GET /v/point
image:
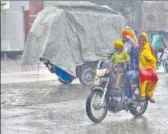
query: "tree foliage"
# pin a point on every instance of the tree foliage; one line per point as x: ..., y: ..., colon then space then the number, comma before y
x: 123, y: 6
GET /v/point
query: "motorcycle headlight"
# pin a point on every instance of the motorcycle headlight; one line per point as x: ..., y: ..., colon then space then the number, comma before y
x: 101, y: 72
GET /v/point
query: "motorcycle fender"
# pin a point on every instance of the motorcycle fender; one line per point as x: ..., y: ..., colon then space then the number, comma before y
x: 97, y: 88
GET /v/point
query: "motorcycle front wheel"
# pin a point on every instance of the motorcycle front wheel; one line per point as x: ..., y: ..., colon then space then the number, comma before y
x: 93, y: 105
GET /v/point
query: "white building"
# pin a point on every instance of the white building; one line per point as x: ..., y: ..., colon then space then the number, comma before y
x: 12, y: 27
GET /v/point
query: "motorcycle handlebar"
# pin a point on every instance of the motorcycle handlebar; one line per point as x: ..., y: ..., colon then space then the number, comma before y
x: 166, y: 50
x: 105, y: 55
x: 124, y: 63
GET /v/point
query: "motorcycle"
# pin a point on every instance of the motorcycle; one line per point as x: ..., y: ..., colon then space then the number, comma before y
x: 163, y: 60
x: 105, y: 97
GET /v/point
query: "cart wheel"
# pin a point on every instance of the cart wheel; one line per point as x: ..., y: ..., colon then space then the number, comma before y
x: 87, y: 75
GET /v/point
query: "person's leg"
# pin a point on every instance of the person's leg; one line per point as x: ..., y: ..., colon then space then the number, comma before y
x: 117, y: 84
x: 118, y: 77
x: 142, y: 90
x: 129, y: 83
x: 116, y: 73
x: 150, y: 90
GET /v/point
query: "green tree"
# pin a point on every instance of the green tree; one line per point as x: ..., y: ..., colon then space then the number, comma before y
x: 123, y: 6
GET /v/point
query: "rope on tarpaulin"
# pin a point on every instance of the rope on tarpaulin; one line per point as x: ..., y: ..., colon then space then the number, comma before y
x: 38, y: 69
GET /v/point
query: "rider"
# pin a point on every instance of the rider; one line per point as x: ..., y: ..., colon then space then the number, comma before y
x: 147, y: 67
x: 119, y: 57
x: 128, y: 46
x: 129, y: 38
x: 158, y: 43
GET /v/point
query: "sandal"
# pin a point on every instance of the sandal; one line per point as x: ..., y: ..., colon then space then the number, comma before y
x: 116, y: 86
x: 151, y: 99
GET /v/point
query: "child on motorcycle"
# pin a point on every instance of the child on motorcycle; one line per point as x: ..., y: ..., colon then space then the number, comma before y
x: 118, y: 59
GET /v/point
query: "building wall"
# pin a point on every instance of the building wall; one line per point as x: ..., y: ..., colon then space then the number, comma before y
x: 159, y: 11
x: 166, y: 15
x: 153, y: 15
x: 166, y: 5
x: 12, y: 26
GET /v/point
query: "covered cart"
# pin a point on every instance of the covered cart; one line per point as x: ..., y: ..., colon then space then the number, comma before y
x: 67, y: 38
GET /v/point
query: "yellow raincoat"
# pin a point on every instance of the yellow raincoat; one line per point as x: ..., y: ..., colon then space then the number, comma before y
x: 147, y: 69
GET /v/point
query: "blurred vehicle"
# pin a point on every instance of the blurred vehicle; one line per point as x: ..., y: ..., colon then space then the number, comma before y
x: 163, y: 60
x: 67, y: 37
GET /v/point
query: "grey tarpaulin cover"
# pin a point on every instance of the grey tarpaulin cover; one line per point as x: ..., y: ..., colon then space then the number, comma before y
x: 68, y: 35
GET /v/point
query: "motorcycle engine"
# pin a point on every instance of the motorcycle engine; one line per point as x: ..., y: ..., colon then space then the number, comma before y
x: 117, y: 100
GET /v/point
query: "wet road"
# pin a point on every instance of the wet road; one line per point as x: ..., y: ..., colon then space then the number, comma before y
x: 47, y: 107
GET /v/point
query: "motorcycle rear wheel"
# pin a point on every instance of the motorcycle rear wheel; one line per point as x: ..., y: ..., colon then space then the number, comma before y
x: 89, y: 105
x: 134, y: 110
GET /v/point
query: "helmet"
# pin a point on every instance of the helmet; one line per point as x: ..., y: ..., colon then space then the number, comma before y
x: 118, y: 44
